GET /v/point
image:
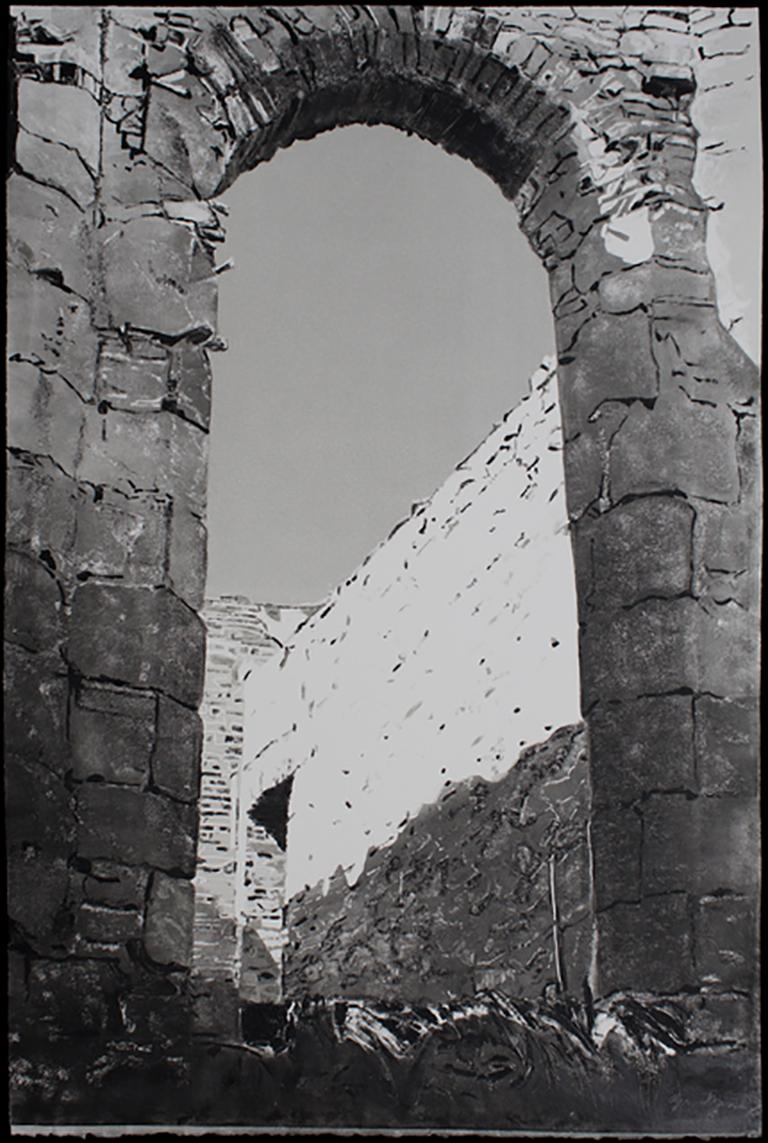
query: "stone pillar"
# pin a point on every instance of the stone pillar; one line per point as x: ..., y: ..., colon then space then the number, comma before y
x: 664, y: 541
x: 113, y: 302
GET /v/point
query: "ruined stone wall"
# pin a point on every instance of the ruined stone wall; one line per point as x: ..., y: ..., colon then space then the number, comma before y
x: 107, y: 436
x: 451, y: 649
x: 487, y: 888
x: 130, y: 121
x: 241, y: 637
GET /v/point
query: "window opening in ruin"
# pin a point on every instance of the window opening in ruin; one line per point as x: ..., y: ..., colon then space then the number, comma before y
x: 270, y: 811
x: 262, y: 921
x: 382, y: 312
x: 382, y: 315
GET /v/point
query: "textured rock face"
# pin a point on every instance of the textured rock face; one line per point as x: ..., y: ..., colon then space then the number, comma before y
x: 487, y: 888
x: 129, y: 122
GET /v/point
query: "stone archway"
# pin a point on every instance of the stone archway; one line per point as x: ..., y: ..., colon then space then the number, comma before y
x: 587, y: 129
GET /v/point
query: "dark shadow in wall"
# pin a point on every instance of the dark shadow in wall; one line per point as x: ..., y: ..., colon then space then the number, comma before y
x: 271, y: 810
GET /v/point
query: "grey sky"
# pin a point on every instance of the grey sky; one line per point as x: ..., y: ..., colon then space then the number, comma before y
x: 383, y: 311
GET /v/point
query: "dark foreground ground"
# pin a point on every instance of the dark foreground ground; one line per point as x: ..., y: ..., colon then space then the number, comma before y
x: 484, y: 1064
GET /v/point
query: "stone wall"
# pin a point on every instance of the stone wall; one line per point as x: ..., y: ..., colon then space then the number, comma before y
x: 488, y: 888
x: 450, y: 649
x: 128, y: 123
x: 241, y: 637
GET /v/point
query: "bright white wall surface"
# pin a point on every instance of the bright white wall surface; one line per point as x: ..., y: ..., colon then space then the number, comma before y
x: 449, y: 650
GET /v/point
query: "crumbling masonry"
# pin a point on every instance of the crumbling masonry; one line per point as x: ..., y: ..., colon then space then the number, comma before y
x: 129, y: 123
x: 241, y: 637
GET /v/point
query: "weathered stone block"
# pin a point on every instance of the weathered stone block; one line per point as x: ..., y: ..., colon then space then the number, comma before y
x: 627, y: 289
x: 748, y: 453
x: 38, y: 807
x: 111, y: 732
x: 187, y: 554
x: 681, y: 284
x: 678, y: 445
x: 662, y: 645
x: 41, y: 507
x: 725, y: 536
x: 158, y: 451
x: 107, y: 925
x: 553, y: 236
x: 161, y: 1019
x: 176, y: 755
x: 616, y: 836
x: 729, y: 41
x: 627, y: 653
x: 72, y: 117
x: 715, y: 586
x: 726, y: 941
x: 717, y: 367
x: 158, y: 277
x: 645, y: 947
x: 110, y: 883
x: 55, y: 165
x: 38, y: 885
x: 168, y: 925
x: 45, y: 416
x: 136, y: 380
x: 727, y: 750
x: 143, y: 637
x: 583, y: 564
x: 612, y: 360
x: 75, y: 998
x: 33, y: 603
x: 726, y: 544
x: 215, y: 1008
x: 190, y: 379
x: 128, y: 826
x: 35, y: 705
x: 123, y: 536
x: 47, y: 231
x: 187, y: 469
x: 70, y: 26
x: 714, y: 1019
x: 679, y: 236
x: 728, y: 650
x: 584, y: 459
x: 641, y: 745
x: 699, y: 844
x: 180, y: 136
x: 640, y: 549
x: 130, y: 175
x: 124, y: 55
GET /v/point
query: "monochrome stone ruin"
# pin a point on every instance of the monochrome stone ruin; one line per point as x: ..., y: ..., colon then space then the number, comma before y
x: 128, y: 123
